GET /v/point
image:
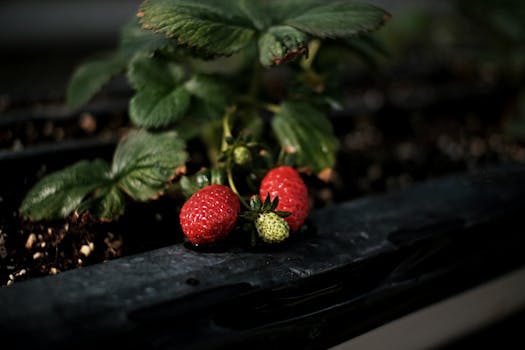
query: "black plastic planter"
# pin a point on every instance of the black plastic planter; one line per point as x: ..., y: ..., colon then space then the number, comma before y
x: 361, y: 264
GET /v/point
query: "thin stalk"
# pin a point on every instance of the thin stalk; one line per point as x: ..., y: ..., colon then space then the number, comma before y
x: 226, y: 129
x: 313, y: 48
x: 282, y: 155
x: 231, y: 182
x: 248, y: 100
x: 227, y: 133
x: 274, y: 108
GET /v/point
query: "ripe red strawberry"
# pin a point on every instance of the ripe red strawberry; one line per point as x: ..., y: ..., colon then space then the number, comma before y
x: 209, y: 214
x: 286, y: 183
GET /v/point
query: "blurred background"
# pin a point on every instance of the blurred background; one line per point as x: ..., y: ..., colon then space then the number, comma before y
x: 42, y: 41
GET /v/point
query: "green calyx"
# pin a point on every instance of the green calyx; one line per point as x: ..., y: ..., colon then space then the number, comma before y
x: 272, y: 228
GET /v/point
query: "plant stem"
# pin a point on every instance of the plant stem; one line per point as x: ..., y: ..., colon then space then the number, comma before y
x: 209, y: 134
x: 313, y: 48
x: 274, y: 108
x: 248, y: 100
x: 227, y: 132
x: 226, y: 129
x: 229, y: 175
x: 280, y: 158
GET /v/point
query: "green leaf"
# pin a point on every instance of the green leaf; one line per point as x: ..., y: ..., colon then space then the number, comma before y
x: 91, y: 76
x: 155, y: 108
x: 211, y: 97
x: 144, y: 163
x: 107, y: 205
x: 366, y: 48
x: 164, y: 93
x: 208, y: 90
x: 255, y: 12
x: 306, y: 131
x: 279, y: 11
x: 282, y: 44
x: 135, y: 39
x: 203, y: 178
x: 339, y: 19
x: 147, y: 72
x: 212, y: 27
x: 161, y: 99
x: 60, y: 193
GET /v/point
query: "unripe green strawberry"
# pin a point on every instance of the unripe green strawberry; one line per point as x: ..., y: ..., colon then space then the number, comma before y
x: 286, y: 183
x: 209, y: 214
x: 272, y: 228
x: 241, y: 155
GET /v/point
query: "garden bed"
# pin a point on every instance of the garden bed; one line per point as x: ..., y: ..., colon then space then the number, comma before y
x: 386, y: 148
x: 364, y: 262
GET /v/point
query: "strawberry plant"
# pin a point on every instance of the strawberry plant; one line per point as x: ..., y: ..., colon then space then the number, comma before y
x: 201, y: 71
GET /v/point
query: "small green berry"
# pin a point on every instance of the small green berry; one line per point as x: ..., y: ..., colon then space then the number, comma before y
x: 241, y: 155
x: 272, y: 228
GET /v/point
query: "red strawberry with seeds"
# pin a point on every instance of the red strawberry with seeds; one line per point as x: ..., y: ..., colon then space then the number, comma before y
x: 286, y: 183
x: 209, y: 214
